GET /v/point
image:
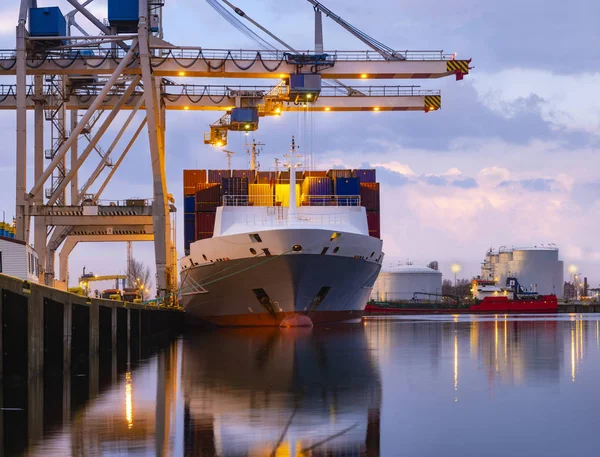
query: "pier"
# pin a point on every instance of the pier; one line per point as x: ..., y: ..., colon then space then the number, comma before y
x: 45, y: 330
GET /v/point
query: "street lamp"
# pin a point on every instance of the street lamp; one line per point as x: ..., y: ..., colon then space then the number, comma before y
x: 455, y: 268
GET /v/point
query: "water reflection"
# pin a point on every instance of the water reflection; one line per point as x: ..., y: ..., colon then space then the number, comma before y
x: 282, y: 393
x: 454, y: 385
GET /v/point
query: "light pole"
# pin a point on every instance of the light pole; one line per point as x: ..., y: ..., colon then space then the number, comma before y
x: 455, y: 268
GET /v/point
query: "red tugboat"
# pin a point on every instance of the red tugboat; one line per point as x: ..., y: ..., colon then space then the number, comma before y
x: 488, y: 297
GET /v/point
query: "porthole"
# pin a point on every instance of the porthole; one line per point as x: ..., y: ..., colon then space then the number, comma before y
x: 336, y: 249
x: 297, y: 248
x: 252, y: 251
x: 204, y: 257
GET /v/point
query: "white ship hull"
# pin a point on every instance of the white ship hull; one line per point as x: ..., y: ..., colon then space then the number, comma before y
x: 236, y: 280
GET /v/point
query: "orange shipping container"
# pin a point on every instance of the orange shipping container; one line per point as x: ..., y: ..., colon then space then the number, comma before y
x: 191, y: 178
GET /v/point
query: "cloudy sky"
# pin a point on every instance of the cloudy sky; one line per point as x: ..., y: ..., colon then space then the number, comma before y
x: 511, y: 159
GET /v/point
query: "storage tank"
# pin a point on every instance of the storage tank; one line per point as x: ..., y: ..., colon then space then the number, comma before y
x: 401, y: 282
x: 538, y: 269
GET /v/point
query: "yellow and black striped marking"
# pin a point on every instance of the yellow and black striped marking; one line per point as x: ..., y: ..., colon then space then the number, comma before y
x: 433, y: 102
x: 458, y: 65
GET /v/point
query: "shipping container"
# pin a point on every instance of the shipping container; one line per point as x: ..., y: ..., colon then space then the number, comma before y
x: 204, y: 235
x: 282, y: 195
x: 260, y: 194
x: 284, y: 177
x: 346, y: 186
x: 374, y: 223
x: 339, y: 173
x: 314, y: 174
x: 47, y: 22
x: 189, y: 230
x: 215, y: 176
x: 234, y: 186
x: 208, y: 197
x: 365, y: 175
x: 205, y: 223
x: 369, y: 195
x: 189, y: 204
x: 244, y: 174
x: 124, y: 15
x: 191, y: 178
x: 317, y: 186
x: 266, y: 177
x: 241, y: 115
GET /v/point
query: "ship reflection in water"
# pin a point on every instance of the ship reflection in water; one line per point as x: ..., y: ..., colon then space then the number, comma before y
x: 415, y: 386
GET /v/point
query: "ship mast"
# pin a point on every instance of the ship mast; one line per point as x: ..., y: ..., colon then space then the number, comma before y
x: 292, y: 166
x: 254, y: 152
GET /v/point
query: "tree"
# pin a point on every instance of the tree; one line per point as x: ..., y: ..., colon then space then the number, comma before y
x: 140, y: 277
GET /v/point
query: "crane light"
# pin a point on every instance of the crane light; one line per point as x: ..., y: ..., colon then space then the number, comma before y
x: 278, y: 110
x: 219, y: 144
x: 376, y: 108
x: 327, y: 108
x: 247, y: 126
x: 431, y: 108
x: 186, y: 108
x: 309, y: 96
x: 364, y: 76
x: 181, y: 73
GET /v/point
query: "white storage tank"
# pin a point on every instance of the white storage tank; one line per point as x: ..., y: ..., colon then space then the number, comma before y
x: 538, y: 269
x: 401, y: 283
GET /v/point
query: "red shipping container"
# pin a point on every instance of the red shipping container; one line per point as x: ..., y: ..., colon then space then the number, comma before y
x: 374, y: 223
x: 205, y: 223
x: 208, y: 196
x: 204, y: 235
x: 191, y: 178
x: 369, y: 196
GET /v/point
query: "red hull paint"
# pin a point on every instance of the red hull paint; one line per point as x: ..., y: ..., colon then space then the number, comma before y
x: 268, y: 320
x: 544, y: 304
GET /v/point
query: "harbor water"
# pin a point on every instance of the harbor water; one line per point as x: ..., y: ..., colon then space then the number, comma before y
x: 405, y: 386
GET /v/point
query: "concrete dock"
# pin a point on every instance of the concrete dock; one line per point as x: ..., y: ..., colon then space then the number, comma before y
x: 45, y: 330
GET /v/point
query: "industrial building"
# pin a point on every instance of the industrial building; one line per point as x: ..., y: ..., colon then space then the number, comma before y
x: 536, y: 268
x: 401, y: 282
x: 18, y: 259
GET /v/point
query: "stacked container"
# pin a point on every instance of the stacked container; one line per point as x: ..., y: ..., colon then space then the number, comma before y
x: 339, y: 173
x: 216, y: 176
x: 235, y: 191
x: 244, y: 174
x: 317, y: 187
x: 349, y: 187
x: 314, y: 174
x: 284, y: 177
x: 365, y: 175
x: 369, y: 197
x: 208, y: 199
x: 260, y: 195
x: 282, y: 195
x: 191, y: 178
x: 266, y: 177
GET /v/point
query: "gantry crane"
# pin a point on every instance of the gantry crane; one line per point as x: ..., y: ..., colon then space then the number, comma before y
x: 81, y: 82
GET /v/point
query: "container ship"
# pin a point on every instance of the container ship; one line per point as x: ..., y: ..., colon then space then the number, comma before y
x: 279, y: 248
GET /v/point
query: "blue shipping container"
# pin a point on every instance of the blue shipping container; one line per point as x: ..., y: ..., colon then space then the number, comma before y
x: 123, y: 10
x: 317, y: 186
x: 234, y: 186
x: 47, y: 22
x: 365, y: 175
x: 189, y: 203
x: 189, y: 229
x: 346, y: 186
x: 242, y: 115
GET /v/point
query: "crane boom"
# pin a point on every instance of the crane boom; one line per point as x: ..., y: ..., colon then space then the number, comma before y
x: 385, y: 51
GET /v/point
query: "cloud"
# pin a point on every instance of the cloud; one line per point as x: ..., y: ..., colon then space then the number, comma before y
x: 562, y: 100
x: 533, y: 185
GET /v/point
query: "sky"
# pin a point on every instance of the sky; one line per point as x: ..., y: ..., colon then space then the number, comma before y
x: 510, y: 159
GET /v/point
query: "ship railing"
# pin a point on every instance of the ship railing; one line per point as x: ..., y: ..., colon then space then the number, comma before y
x: 304, y: 200
x: 275, y: 218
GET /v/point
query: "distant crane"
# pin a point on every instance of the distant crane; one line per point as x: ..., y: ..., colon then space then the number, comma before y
x: 229, y: 154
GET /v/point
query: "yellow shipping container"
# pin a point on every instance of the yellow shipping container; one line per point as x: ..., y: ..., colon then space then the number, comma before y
x: 260, y: 194
x: 282, y: 194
